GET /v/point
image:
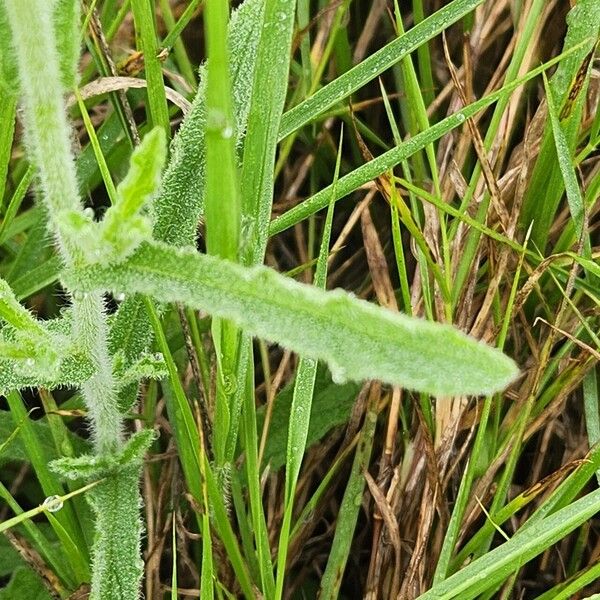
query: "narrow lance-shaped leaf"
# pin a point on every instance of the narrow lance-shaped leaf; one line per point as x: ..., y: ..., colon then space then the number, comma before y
x: 357, y: 339
x: 181, y: 201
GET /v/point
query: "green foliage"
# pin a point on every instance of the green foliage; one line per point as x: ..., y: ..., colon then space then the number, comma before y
x: 14, y: 450
x: 357, y: 339
x: 66, y: 17
x: 45, y: 357
x: 331, y: 407
x: 497, y: 564
x: 24, y: 583
x: 8, y: 64
x: 89, y: 466
x: 125, y: 226
x: 117, y: 567
x: 546, y: 186
x: 181, y: 201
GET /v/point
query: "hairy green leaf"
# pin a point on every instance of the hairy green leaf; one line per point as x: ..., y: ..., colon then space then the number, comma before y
x: 124, y: 226
x: 180, y: 204
x: 357, y: 339
x: 47, y: 359
x: 116, y: 503
x: 88, y: 466
x: 147, y: 366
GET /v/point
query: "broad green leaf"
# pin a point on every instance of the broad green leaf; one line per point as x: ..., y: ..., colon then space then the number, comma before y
x: 24, y: 583
x: 14, y: 450
x: 357, y: 339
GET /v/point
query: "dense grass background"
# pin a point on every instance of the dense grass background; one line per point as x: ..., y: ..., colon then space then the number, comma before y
x: 458, y: 184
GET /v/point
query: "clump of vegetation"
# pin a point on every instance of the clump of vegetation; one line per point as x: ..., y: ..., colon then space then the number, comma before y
x: 134, y: 294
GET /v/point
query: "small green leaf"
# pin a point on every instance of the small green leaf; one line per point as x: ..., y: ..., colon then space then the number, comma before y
x: 88, y: 466
x: 46, y: 359
x: 147, y: 366
x: 142, y: 180
x: 357, y: 339
x: 125, y: 226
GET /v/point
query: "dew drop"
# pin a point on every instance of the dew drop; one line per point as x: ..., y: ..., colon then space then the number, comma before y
x: 229, y: 384
x: 460, y: 117
x: 79, y: 295
x: 338, y: 375
x: 30, y: 363
x: 119, y: 297
x: 227, y: 132
x: 158, y: 357
x: 88, y: 212
x: 52, y: 504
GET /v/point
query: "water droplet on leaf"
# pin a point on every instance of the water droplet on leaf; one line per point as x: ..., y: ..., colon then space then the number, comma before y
x: 52, y: 504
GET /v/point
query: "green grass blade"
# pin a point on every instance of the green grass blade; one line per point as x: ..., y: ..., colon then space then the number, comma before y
x: 158, y: 113
x: 357, y: 339
x: 379, y: 165
x: 66, y: 518
x: 222, y: 208
x: 302, y: 399
x: 499, y: 563
x: 8, y: 111
x: 348, y: 511
x: 565, y: 163
x: 546, y: 187
x: 267, y: 100
x: 374, y: 65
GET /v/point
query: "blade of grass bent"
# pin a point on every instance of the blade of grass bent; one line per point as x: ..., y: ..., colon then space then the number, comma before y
x: 374, y: 65
x: 386, y: 161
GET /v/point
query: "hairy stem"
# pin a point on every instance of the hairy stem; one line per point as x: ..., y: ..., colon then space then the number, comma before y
x: 117, y: 567
x: 49, y: 139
